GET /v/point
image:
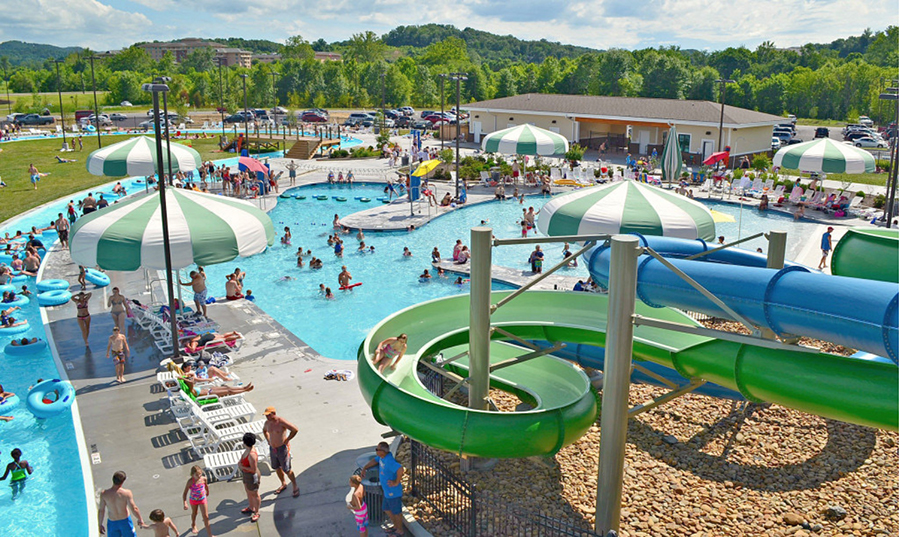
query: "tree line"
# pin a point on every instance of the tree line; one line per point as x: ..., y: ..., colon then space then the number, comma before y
x: 839, y: 81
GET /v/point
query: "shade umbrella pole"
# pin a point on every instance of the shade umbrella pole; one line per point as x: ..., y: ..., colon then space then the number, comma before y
x: 156, y: 88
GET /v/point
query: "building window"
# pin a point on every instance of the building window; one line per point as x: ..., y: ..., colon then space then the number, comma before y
x: 684, y: 142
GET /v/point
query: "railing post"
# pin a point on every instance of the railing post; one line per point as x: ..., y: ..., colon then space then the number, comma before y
x: 414, y: 462
x: 480, y: 318
x: 473, y: 515
x: 616, y: 380
x: 775, y: 255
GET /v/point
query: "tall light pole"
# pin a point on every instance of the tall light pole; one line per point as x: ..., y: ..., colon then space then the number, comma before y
x: 891, y: 94
x: 246, y: 131
x: 383, y: 74
x: 62, y: 113
x: 275, y: 99
x: 221, y: 97
x: 156, y: 89
x: 722, y: 82
x: 443, y: 76
x: 166, y: 80
x: 8, y: 101
x: 458, y: 77
x: 96, y: 107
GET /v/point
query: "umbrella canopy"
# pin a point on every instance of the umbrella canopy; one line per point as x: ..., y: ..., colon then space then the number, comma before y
x: 525, y: 140
x: 721, y: 217
x: 671, y: 157
x: 825, y: 155
x: 252, y: 164
x: 716, y: 157
x: 137, y: 156
x: 426, y: 167
x: 626, y: 207
x: 203, y: 229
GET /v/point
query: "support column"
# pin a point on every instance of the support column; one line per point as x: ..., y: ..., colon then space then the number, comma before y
x: 777, y: 245
x: 616, y: 380
x: 480, y: 318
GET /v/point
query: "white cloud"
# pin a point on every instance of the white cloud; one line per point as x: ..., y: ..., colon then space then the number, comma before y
x: 73, y: 22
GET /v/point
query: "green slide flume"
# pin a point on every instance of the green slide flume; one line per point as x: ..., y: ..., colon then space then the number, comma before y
x: 846, y: 389
x: 867, y: 252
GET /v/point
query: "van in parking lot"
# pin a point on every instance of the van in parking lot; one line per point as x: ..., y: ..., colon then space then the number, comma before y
x: 82, y: 114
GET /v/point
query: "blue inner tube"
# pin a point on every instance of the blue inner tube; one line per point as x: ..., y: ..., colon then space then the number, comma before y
x: 299, y: 197
x: 14, y: 329
x: 21, y: 301
x: 96, y: 277
x: 365, y: 200
x: 285, y: 196
x: 56, y: 297
x: 44, y: 390
x: 7, y: 287
x: 19, y: 279
x: 25, y: 350
x: 9, y: 404
x: 51, y: 285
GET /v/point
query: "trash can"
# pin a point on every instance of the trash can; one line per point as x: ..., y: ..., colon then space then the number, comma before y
x: 372, y: 492
x: 404, y: 161
x: 495, y: 174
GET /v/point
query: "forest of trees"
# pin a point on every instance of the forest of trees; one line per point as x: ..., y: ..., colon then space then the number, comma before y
x: 837, y: 81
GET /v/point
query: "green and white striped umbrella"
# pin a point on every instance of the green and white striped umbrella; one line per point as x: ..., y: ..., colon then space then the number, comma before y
x: 626, y: 207
x: 137, y: 156
x: 203, y: 229
x: 525, y: 140
x: 671, y: 157
x: 826, y: 156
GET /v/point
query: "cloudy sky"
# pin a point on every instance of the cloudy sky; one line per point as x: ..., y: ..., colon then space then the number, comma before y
x: 701, y: 24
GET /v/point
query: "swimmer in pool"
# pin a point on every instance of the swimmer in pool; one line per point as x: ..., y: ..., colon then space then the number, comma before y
x: 321, y: 288
x: 286, y: 238
x: 425, y: 275
x: 406, y: 252
x: 20, y: 470
x: 362, y: 247
x: 441, y: 273
x: 328, y: 294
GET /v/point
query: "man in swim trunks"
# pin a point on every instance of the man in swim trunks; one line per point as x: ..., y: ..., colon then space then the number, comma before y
x: 118, y: 501
x: 118, y: 346
x: 198, y: 284
x: 62, y: 229
x: 232, y: 288
x: 35, y: 175
x: 279, y: 447
x: 344, y: 277
x: 826, y: 248
x: 89, y: 204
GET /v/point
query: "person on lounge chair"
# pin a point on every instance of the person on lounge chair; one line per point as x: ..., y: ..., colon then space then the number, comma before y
x: 210, y: 338
x: 205, y: 372
x: 218, y: 391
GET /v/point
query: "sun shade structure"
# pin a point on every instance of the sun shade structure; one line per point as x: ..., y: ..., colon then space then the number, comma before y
x: 626, y: 207
x: 671, y: 163
x: 525, y: 140
x: 826, y: 156
x: 203, y: 229
x: 716, y: 157
x: 137, y: 156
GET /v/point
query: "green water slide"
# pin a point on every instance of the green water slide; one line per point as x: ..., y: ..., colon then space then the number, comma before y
x: 846, y: 389
x: 867, y: 252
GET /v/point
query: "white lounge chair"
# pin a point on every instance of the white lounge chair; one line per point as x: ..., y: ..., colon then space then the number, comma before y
x: 796, y: 194
x: 223, y: 465
x: 778, y: 192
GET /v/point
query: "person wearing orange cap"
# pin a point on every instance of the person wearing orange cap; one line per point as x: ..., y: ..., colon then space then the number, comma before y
x: 279, y: 432
x: 826, y: 247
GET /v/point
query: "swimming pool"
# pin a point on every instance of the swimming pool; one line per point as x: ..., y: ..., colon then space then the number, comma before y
x: 749, y: 220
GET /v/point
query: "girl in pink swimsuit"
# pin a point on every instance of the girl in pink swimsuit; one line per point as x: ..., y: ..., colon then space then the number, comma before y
x: 195, y: 492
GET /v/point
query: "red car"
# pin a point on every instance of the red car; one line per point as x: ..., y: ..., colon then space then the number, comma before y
x: 437, y: 118
x: 313, y: 117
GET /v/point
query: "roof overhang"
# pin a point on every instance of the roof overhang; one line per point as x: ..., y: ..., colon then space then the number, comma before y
x: 624, y: 120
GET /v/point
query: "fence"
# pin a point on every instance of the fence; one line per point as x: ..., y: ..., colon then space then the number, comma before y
x: 473, y: 513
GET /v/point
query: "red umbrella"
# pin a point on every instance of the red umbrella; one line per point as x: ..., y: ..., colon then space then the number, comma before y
x: 253, y: 165
x: 716, y: 157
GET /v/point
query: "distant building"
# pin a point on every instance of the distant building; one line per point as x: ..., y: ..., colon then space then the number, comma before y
x: 637, y: 125
x: 328, y: 57
x: 107, y: 54
x: 183, y: 47
x: 267, y: 58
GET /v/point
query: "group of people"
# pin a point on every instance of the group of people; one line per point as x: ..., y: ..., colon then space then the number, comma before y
x: 341, y: 178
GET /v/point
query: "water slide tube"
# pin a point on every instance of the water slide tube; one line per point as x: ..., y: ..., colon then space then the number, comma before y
x: 867, y: 252
x: 852, y: 390
x: 860, y: 314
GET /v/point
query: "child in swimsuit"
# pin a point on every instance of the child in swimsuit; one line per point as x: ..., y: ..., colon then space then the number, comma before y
x: 388, y: 352
x: 195, y: 492
x: 20, y: 470
x: 357, y: 505
x: 161, y: 524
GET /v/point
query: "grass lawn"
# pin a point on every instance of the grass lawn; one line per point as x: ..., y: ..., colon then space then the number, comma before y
x: 878, y: 179
x: 19, y: 195
x: 821, y: 122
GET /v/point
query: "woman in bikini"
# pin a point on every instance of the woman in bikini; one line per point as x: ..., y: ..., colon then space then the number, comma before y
x: 391, y: 349
x: 84, y: 316
x: 119, y: 309
x: 249, y: 466
x: 210, y: 338
x: 218, y: 391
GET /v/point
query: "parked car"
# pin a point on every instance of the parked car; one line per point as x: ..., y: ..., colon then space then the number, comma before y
x: 81, y: 114
x: 105, y: 120
x: 784, y: 136
x: 149, y: 124
x: 313, y: 117
x: 855, y: 135
x: 821, y: 132
x: 34, y: 119
x: 793, y: 118
x: 392, y: 114
x: 789, y: 126
x: 869, y: 141
x: 125, y: 103
x: 280, y: 110
x: 864, y: 120
x: 426, y: 113
x: 236, y: 118
x: 14, y: 116
x: 776, y: 143
x: 403, y: 122
x: 793, y: 141
x: 407, y: 111
x: 359, y: 117
x: 422, y: 125
x: 116, y: 116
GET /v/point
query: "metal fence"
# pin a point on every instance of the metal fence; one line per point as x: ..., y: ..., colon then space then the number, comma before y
x: 459, y: 505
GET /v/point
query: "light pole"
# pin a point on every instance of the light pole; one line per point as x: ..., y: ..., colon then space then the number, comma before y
x: 458, y: 77
x: 246, y: 131
x: 722, y: 82
x: 891, y: 94
x: 442, y: 76
x: 97, y: 108
x: 383, y: 74
x: 156, y: 89
x: 62, y: 113
x: 221, y: 98
x: 8, y: 101
x: 275, y: 100
x: 165, y: 80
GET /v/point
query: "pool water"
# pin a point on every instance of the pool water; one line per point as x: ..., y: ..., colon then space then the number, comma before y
x: 749, y: 220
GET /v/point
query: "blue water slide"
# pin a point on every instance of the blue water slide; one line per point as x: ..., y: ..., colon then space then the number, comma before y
x: 793, y: 301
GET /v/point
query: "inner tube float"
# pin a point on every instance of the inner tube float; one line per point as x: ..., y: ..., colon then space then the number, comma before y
x: 299, y: 197
x: 44, y: 403
x: 365, y: 200
x: 25, y: 350
x: 18, y: 329
x: 9, y: 404
x: 96, y: 277
x: 52, y: 285
x: 56, y: 297
x: 21, y: 301
x: 7, y: 287
x: 340, y: 198
x: 19, y: 279
x: 90, y: 128
x: 285, y: 196
x: 351, y: 286
x: 321, y: 197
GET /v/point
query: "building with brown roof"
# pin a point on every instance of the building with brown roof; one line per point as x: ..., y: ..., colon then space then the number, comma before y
x: 633, y: 124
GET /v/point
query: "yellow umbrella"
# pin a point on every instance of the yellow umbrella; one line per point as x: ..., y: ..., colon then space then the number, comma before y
x: 721, y: 217
x: 426, y: 167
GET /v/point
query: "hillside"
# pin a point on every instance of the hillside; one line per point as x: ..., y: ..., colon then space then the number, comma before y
x: 20, y: 53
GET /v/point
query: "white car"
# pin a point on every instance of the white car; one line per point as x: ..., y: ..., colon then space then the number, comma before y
x: 865, y: 120
x: 125, y: 103
x: 776, y: 143
x: 869, y: 141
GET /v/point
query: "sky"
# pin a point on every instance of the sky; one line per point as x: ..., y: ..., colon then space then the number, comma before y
x: 601, y: 24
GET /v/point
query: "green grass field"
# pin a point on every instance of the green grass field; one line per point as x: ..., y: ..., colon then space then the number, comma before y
x: 64, y: 179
